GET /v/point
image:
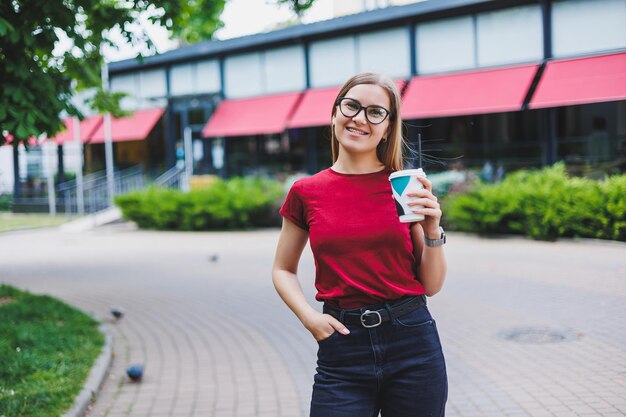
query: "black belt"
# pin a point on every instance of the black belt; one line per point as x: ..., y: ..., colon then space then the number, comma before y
x: 374, y: 318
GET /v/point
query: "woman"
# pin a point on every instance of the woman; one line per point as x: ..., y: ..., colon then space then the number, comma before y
x: 379, y: 350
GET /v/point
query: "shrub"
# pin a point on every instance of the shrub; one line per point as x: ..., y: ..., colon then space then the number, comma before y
x: 238, y: 203
x: 6, y: 202
x: 543, y: 204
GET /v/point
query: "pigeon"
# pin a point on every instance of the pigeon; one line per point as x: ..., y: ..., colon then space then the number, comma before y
x: 135, y: 372
x: 117, y: 312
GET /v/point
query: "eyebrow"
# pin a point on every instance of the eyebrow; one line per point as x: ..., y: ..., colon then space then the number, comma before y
x: 375, y: 105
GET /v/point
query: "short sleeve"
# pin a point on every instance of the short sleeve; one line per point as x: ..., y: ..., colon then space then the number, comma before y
x: 293, y: 208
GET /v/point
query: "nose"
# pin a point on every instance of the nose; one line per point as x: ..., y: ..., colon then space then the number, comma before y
x: 360, y: 116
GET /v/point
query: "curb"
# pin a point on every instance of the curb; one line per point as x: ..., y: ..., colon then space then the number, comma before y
x: 574, y: 240
x: 97, y: 375
x: 92, y: 221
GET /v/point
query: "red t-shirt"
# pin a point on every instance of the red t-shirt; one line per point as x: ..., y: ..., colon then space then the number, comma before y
x: 363, y: 254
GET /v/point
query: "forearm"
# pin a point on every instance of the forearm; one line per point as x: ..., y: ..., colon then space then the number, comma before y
x: 289, y: 289
x: 432, y: 269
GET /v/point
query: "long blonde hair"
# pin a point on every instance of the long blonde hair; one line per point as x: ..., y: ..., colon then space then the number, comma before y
x: 389, y: 152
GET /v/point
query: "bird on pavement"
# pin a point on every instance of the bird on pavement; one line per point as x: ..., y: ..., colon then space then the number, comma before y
x: 117, y: 312
x: 135, y: 372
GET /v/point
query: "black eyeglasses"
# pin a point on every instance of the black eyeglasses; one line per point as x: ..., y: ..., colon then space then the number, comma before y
x: 350, y: 107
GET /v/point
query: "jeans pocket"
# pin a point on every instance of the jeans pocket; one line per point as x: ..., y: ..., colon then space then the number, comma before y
x: 417, y: 318
x: 329, y: 338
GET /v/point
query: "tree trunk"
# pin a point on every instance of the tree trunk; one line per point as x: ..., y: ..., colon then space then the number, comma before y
x: 60, y: 165
x: 17, y: 186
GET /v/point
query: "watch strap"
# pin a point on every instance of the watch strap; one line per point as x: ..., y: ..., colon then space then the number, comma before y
x: 433, y: 243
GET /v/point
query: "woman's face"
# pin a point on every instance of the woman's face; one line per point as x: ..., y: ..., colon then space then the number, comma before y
x: 357, y: 134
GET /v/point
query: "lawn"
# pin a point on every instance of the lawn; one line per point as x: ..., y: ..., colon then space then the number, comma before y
x: 47, y: 349
x: 17, y: 221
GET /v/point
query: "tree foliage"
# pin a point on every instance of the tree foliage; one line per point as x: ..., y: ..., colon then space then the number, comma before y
x: 37, y: 84
x: 299, y: 7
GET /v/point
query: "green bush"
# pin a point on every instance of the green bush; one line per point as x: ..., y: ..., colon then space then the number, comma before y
x: 238, y: 203
x: 6, y: 202
x: 544, y: 204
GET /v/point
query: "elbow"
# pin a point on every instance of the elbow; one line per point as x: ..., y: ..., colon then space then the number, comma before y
x: 432, y: 291
x: 433, y: 288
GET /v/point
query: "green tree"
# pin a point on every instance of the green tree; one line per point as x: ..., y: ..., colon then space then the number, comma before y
x: 37, y: 85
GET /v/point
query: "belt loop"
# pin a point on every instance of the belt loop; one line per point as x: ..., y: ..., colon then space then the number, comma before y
x: 342, y: 315
x: 389, y: 311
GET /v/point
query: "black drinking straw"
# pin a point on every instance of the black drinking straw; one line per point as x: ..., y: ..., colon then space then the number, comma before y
x: 419, y: 149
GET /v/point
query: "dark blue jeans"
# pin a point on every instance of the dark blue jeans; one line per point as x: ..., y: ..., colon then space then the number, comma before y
x: 396, y: 369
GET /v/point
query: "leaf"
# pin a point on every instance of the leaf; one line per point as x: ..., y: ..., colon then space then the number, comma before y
x: 5, y: 27
x: 21, y: 132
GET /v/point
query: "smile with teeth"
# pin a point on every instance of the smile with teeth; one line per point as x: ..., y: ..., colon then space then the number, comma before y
x: 355, y: 131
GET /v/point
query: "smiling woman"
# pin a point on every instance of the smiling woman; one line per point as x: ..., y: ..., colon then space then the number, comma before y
x: 379, y: 349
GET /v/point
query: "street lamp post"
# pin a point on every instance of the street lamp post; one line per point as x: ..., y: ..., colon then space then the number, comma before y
x: 108, y: 144
x: 80, y: 193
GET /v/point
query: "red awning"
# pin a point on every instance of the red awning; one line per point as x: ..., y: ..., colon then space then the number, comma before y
x: 582, y: 81
x: 137, y: 126
x: 316, y: 107
x: 87, y: 128
x: 476, y: 92
x: 251, y: 116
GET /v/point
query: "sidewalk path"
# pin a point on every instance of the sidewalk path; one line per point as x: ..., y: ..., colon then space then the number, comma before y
x: 528, y: 328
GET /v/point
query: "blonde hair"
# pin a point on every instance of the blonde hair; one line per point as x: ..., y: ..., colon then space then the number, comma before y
x: 389, y: 152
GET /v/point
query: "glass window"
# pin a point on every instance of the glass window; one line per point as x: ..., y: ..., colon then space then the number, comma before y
x: 385, y: 51
x: 243, y: 75
x: 332, y: 61
x: 208, y: 77
x: 284, y: 70
x: 510, y: 36
x: 152, y: 84
x: 582, y: 26
x: 182, y: 79
x: 445, y: 45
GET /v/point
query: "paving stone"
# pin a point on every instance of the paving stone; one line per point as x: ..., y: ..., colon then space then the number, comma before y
x: 216, y: 340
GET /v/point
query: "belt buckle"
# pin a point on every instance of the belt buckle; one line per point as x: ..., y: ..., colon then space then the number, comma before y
x: 368, y: 326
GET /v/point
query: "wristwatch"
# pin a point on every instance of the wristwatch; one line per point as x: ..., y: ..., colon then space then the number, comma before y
x: 433, y: 243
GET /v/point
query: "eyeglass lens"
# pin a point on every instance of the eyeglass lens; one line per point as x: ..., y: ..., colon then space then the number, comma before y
x: 374, y: 114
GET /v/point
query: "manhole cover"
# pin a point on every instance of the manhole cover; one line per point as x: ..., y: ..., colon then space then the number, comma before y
x: 538, y: 335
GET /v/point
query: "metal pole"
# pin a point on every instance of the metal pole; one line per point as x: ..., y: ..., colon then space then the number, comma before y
x: 188, y: 156
x: 52, y: 201
x: 108, y: 144
x: 80, y: 191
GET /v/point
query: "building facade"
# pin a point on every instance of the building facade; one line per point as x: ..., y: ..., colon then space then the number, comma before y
x: 517, y: 83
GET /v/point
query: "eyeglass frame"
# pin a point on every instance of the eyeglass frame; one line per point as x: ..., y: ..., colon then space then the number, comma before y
x: 362, y: 107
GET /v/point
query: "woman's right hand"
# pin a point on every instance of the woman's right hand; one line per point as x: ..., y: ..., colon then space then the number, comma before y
x: 322, y: 326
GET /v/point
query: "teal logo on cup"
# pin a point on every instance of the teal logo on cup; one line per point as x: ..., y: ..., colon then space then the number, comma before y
x: 402, y: 182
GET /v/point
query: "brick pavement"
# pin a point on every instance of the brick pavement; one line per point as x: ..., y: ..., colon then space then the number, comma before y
x: 217, y: 341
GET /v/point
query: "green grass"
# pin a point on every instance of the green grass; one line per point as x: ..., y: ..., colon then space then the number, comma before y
x: 46, y: 351
x: 17, y: 221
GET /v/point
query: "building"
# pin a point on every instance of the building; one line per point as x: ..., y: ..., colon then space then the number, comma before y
x: 516, y: 83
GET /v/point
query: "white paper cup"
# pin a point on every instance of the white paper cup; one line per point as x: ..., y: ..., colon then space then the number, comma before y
x: 401, y: 183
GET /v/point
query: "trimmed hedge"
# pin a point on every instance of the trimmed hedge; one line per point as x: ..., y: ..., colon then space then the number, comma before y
x: 6, y: 202
x: 544, y: 204
x: 239, y: 203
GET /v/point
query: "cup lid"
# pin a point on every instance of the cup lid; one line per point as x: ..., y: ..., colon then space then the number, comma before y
x: 419, y: 172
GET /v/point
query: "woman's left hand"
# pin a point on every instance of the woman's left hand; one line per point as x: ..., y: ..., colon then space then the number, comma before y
x: 430, y: 208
